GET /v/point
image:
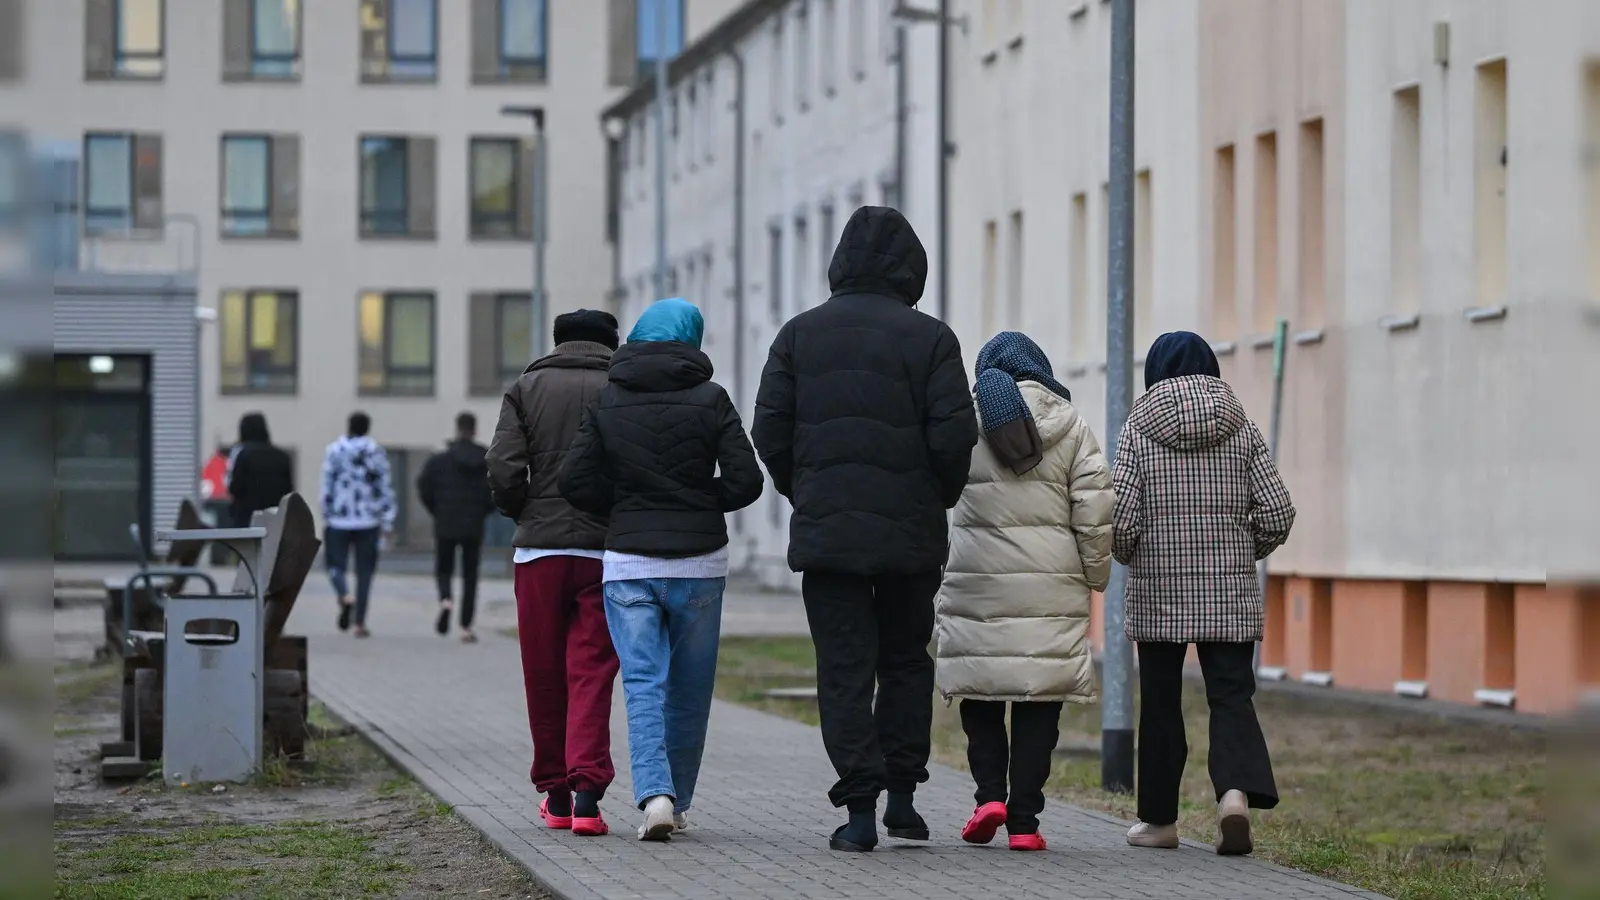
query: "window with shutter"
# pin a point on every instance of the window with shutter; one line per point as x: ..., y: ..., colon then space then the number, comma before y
x: 399, y: 40
x: 384, y: 186
x: 495, y: 186
x: 395, y: 343
x: 658, y: 32
x: 259, y: 341
x: 11, y: 42
x: 421, y: 181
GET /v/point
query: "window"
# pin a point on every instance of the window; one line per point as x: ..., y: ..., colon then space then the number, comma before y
x: 124, y: 39
x: 827, y: 239
x: 11, y: 43
x: 1591, y: 184
x: 802, y: 57
x: 13, y: 178
x: 501, y: 179
x: 987, y: 300
x: 510, y: 41
x: 889, y: 192
x: 1491, y: 163
x: 501, y: 321
x: 399, y: 40
x: 1265, y: 314
x: 804, y: 275
x: 775, y: 77
x: 828, y: 34
x: 709, y: 102
x: 775, y: 272
x: 1224, y: 247
x: 1405, y: 203
x: 395, y: 355
x: 692, y: 136
x: 857, y: 35
x: 261, y: 39
x: 397, y: 186
x: 1313, y: 230
x: 1144, y: 300
x: 1078, y: 336
x: 649, y: 43
x: 122, y: 182
x: 260, y: 346
x: 260, y: 190
x: 1014, y: 273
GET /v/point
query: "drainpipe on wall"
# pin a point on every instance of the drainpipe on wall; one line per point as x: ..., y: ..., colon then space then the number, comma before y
x: 740, y: 391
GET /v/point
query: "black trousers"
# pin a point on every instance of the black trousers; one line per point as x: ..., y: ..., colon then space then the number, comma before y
x: 873, y: 630
x: 1035, y: 728
x: 444, y: 565
x: 1238, y: 758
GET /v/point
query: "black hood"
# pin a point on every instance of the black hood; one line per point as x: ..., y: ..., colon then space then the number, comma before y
x: 466, y: 454
x: 657, y: 366
x: 879, y: 252
x: 1178, y: 354
x: 253, y: 429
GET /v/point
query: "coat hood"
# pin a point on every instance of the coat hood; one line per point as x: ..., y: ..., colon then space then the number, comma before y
x: 573, y: 355
x: 1053, y: 414
x: 879, y: 252
x: 253, y: 429
x: 1176, y: 354
x: 1191, y: 412
x: 466, y: 454
x: 659, y: 366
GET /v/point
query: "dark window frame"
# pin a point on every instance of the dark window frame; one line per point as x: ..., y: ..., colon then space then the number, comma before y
x: 647, y: 64
x: 121, y: 56
x: 292, y: 370
x: 393, y: 58
x: 509, y: 371
x: 371, y: 218
x: 291, y: 60
x: 389, y: 369
x: 124, y: 216
x: 476, y: 219
x: 508, y: 60
x: 264, y: 216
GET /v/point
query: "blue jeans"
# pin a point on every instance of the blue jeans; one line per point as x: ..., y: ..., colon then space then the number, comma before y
x: 666, y: 631
x: 336, y: 546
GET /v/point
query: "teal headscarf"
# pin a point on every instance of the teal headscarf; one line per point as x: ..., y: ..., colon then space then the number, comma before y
x: 672, y: 319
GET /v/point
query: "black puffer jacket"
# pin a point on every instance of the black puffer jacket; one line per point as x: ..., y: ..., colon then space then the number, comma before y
x: 864, y: 417
x: 648, y: 452
x: 454, y: 489
x: 259, y: 474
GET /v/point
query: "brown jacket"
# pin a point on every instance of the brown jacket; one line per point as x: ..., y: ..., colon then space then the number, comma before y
x: 539, y: 417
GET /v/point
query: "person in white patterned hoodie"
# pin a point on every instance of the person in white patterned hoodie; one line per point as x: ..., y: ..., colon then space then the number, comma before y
x: 358, y: 509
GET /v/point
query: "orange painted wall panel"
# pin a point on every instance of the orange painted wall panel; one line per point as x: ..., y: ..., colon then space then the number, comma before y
x: 1368, y: 634
x: 1548, y: 647
x: 1458, y: 640
x: 1307, y: 626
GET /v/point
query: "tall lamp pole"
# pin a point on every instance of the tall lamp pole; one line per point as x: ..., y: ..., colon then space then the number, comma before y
x: 662, y: 37
x: 537, y: 197
x: 1116, y: 733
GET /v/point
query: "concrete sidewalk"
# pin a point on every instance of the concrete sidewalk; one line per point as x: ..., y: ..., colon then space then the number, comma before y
x: 454, y: 716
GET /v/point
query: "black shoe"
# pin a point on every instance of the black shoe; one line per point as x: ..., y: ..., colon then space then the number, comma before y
x: 586, y: 804
x: 900, y: 819
x: 345, y: 609
x: 443, y: 624
x: 558, y: 804
x: 859, y: 835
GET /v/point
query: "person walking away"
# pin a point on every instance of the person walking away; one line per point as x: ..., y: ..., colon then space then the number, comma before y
x: 865, y: 422
x: 1032, y: 539
x: 568, y: 664
x: 648, y: 456
x: 259, y: 474
x: 454, y: 489
x: 358, y: 508
x: 1199, y: 501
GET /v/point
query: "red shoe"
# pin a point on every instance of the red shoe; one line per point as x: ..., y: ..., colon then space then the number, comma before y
x: 1033, y: 841
x: 550, y: 821
x: 586, y: 827
x: 981, y: 828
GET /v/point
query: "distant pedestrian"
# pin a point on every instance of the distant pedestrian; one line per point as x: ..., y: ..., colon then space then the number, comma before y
x: 663, y: 454
x: 358, y: 509
x: 865, y: 422
x: 259, y: 474
x: 1032, y: 539
x: 454, y: 489
x: 1199, y: 501
x: 568, y: 665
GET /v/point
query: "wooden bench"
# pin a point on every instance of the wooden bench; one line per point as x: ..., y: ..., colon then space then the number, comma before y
x: 281, y: 565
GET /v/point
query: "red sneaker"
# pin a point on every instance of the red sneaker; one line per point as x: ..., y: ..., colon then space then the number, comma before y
x: 551, y: 821
x: 981, y: 828
x: 587, y: 827
x: 1033, y: 841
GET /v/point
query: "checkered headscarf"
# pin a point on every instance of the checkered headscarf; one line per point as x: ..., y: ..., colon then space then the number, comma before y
x: 1008, y: 358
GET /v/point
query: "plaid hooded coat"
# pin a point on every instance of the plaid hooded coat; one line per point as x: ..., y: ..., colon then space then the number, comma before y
x: 1199, y: 501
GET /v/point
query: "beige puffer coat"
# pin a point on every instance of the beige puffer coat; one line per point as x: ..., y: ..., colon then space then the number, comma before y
x: 1025, y: 552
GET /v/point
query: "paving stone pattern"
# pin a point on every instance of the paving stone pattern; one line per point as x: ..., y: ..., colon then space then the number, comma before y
x: 454, y: 716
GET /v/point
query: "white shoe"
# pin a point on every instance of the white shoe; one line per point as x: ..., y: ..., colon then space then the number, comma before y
x: 680, y: 821
x: 1233, y: 825
x: 1161, y: 837
x: 657, y: 819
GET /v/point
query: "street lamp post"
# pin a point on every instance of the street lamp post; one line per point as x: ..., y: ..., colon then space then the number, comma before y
x: 537, y: 197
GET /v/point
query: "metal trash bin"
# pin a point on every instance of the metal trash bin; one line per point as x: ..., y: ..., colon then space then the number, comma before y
x: 212, y: 699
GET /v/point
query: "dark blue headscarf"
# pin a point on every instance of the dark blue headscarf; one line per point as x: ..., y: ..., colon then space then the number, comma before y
x: 1008, y: 358
x: 1176, y: 354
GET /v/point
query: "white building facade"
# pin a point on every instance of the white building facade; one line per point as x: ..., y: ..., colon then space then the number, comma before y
x: 809, y: 93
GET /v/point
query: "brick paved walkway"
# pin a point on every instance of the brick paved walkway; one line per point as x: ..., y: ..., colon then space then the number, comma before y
x: 454, y: 716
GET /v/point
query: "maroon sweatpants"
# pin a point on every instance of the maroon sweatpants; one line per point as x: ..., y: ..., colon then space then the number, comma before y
x: 568, y: 666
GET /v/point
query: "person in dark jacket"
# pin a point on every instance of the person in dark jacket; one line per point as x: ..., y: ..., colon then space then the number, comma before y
x: 568, y: 665
x: 454, y: 490
x: 259, y: 473
x: 865, y: 422
x: 648, y: 456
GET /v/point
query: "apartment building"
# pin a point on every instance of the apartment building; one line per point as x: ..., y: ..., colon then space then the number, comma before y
x: 781, y: 122
x: 1411, y: 188
x: 357, y: 205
